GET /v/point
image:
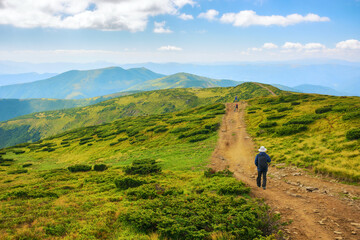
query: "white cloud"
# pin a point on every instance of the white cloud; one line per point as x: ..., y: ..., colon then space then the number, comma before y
x: 314, y: 46
x: 248, y: 17
x: 128, y: 15
x: 169, y: 48
x: 210, y: 15
x: 160, y: 27
x: 349, y: 44
x: 292, y: 45
x: 269, y: 46
x: 186, y: 17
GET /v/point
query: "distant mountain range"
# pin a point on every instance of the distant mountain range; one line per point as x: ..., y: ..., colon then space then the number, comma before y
x: 80, y: 84
x: 98, y: 82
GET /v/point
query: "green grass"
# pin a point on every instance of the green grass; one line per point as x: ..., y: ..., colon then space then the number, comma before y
x: 50, y: 202
x: 319, y: 133
x: 32, y: 127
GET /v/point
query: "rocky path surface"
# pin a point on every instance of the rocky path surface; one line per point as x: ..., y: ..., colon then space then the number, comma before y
x: 317, y: 208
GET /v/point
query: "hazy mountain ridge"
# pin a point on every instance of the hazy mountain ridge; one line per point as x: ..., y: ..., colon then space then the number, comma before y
x: 77, y: 84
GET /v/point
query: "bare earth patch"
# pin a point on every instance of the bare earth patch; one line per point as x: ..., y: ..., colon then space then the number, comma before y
x: 318, y: 208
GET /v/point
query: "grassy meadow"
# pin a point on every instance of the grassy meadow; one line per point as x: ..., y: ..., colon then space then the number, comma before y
x: 317, y: 132
x: 36, y: 126
x: 154, y: 187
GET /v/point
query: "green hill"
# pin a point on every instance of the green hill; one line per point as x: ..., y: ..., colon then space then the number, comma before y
x: 312, y: 131
x: 11, y: 108
x: 155, y: 186
x: 80, y: 84
x: 44, y: 124
x: 183, y: 80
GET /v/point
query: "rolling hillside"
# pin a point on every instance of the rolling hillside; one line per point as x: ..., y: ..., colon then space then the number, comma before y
x: 39, y: 125
x: 311, y: 131
x: 183, y: 80
x: 80, y: 84
x: 154, y: 184
x: 11, y: 108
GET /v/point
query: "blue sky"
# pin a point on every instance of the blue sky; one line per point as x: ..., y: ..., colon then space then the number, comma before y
x: 131, y: 31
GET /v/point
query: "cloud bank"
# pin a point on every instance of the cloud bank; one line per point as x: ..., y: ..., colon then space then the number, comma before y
x: 248, y: 18
x: 124, y: 15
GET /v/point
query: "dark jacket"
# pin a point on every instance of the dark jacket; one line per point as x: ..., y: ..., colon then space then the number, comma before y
x: 267, y: 160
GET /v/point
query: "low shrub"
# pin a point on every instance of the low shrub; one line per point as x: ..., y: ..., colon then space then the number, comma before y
x: 353, y: 134
x: 306, y: 119
x: 143, y: 167
x: 283, y: 109
x: 193, y: 133
x: 213, y: 127
x: 30, y: 194
x: 323, y: 110
x: 295, y: 103
x: 251, y: 112
x: 128, y: 182
x: 17, y: 152
x: 160, y: 130
x: 100, y: 167
x: 79, y: 168
x: 55, y: 230
x: 290, y: 129
x: 18, y: 171
x: 275, y: 116
x: 198, y: 138
x: 351, y: 115
x: 27, y: 165
x: 267, y: 124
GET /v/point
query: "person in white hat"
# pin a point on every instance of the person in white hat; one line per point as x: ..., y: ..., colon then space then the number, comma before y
x: 261, y: 161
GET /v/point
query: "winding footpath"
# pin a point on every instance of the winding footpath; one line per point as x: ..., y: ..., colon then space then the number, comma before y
x: 317, y: 208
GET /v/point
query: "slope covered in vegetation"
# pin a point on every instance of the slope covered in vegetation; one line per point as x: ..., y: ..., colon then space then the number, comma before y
x: 154, y: 186
x: 311, y: 131
x: 44, y: 124
x: 11, y: 108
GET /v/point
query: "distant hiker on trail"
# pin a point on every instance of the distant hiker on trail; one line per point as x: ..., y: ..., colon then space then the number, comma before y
x: 236, y: 108
x: 236, y: 99
x: 261, y: 161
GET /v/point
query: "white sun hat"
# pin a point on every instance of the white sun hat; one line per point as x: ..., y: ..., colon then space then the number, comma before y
x: 262, y: 149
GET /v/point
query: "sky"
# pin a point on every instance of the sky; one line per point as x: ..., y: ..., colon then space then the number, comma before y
x: 184, y: 31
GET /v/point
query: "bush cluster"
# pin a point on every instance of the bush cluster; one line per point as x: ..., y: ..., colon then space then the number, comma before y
x: 290, y: 129
x: 353, y: 134
x: 143, y: 167
x: 323, y: 109
x: 100, y: 167
x: 351, y: 115
x: 275, y: 116
x: 267, y: 124
x: 128, y: 182
x: 188, y: 217
x: 306, y: 119
x: 79, y: 168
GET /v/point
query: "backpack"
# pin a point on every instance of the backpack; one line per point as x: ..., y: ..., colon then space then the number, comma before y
x: 262, y: 162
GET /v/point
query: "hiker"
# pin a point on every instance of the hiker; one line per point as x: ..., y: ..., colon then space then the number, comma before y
x: 236, y: 99
x: 236, y: 107
x: 261, y: 161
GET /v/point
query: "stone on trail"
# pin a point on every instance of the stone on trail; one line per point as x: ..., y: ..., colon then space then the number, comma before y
x: 311, y: 189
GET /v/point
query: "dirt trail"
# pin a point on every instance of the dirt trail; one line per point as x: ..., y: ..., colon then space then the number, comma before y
x: 318, y: 208
x: 259, y: 84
